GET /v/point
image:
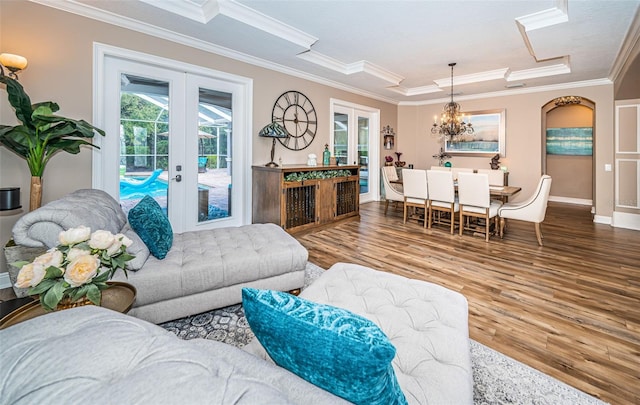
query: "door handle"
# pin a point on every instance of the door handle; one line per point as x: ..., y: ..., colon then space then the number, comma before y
x: 178, y: 178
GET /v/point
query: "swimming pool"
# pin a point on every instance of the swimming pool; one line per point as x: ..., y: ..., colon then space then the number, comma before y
x: 157, y: 188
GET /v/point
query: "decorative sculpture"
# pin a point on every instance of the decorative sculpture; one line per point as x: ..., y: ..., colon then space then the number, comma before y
x: 495, y: 162
x: 441, y: 156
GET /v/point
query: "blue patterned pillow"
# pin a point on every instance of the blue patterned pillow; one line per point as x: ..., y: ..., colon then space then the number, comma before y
x: 153, y: 226
x: 330, y: 347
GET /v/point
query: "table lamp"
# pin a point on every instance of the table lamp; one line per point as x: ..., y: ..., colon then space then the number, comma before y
x: 273, y: 130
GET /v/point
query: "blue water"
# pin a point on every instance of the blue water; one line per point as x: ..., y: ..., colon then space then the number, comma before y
x: 155, y: 189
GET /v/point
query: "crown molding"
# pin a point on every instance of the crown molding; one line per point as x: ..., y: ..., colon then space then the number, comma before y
x: 134, y: 25
x: 545, y: 18
x: 362, y: 66
x: 415, y: 91
x: 513, y: 92
x: 473, y: 78
x: 551, y: 70
x: 541, y: 19
x: 199, y: 13
x: 626, y: 52
x: 255, y: 19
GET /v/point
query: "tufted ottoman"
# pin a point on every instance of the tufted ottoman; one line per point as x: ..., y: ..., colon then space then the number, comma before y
x: 427, y: 324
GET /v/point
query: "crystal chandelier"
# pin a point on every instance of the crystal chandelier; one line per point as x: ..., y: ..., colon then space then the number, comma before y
x: 452, y: 126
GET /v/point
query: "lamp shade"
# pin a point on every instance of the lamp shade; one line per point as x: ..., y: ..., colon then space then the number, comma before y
x: 9, y: 198
x: 273, y: 130
x: 13, y: 62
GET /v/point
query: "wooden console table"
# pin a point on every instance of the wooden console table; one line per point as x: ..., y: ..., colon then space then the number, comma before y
x: 300, y: 205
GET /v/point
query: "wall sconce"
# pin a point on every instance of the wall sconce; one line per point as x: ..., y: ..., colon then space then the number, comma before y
x: 389, y: 137
x: 10, y: 198
x: 13, y: 63
x: 273, y: 130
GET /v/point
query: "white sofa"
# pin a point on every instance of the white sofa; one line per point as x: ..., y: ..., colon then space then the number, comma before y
x: 203, y: 270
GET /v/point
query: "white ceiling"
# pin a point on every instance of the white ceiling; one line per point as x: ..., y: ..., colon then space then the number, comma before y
x: 397, y: 50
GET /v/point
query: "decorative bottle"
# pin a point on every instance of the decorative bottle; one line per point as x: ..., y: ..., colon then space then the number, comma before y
x: 326, y: 155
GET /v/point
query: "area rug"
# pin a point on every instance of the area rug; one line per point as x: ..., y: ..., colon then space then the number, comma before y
x: 498, y: 379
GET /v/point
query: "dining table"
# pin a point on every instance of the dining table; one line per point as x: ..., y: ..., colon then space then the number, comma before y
x: 502, y: 192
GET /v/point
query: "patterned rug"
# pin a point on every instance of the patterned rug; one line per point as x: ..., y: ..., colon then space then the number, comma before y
x: 498, y: 379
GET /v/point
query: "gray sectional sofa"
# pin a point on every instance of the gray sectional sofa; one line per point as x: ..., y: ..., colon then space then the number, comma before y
x: 92, y: 355
x: 203, y: 270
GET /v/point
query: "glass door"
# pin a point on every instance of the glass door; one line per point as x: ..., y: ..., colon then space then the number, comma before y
x: 362, y: 151
x: 175, y: 144
x: 209, y: 149
x: 144, y: 141
x: 352, y: 143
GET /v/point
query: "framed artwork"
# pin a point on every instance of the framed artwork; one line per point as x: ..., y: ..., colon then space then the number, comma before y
x: 488, y: 137
x: 388, y: 142
x: 576, y: 141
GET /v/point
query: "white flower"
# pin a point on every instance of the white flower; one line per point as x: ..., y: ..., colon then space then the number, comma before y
x: 101, y: 239
x: 114, y: 249
x: 82, y: 270
x: 53, y: 257
x: 30, y: 275
x: 74, y: 253
x: 74, y: 235
x: 125, y: 241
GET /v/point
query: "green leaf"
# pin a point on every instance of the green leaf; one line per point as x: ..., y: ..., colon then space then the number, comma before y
x: 53, y: 272
x: 41, y: 134
x: 94, y: 294
x: 102, y: 277
x: 42, y: 287
x: 52, y: 297
x: 19, y: 264
x: 18, y: 99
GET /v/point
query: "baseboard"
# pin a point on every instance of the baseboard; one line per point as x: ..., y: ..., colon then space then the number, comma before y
x: 5, y: 281
x: 601, y: 219
x: 569, y: 200
x: 626, y: 220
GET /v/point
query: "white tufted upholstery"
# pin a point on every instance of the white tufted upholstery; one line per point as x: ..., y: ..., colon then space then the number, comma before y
x: 92, y: 355
x: 204, y: 269
x: 427, y: 323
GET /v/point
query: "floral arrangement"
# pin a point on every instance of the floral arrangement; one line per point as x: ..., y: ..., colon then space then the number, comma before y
x: 317, y: 174
x: 79, y: 267
x: 388, y: 158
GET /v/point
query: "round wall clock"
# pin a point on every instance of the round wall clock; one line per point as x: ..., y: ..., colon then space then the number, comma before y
x: 294, y: 111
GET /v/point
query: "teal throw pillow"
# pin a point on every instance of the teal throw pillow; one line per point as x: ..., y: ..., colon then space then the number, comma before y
x: 330, y: 347
x: 152, y: 225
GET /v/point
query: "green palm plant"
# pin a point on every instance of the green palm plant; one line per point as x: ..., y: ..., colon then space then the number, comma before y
x: 41, y: 134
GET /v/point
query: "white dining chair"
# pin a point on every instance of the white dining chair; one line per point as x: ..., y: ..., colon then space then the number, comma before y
x: 415, y: 191
x: 392, y: 191
x: 441, y: 168
x: 474, y: 199
x: 533, y: 209
x: 496, y: 177
x: 457, y: 170
x: 442, y: 197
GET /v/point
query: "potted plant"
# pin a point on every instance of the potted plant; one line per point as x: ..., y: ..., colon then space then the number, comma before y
x: 41, y: 134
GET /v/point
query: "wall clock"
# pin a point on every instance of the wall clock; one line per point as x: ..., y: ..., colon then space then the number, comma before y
x: 295, y: 112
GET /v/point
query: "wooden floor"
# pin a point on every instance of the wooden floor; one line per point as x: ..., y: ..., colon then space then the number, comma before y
x: 570, y: 309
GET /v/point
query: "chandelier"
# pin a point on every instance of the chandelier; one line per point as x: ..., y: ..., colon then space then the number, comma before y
x: 452, y: 126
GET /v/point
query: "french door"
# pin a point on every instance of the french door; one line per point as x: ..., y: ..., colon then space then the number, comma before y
x: 175, y: 136
x: 355, y: 140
